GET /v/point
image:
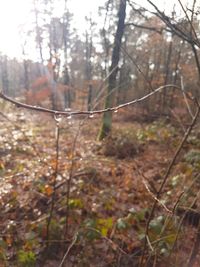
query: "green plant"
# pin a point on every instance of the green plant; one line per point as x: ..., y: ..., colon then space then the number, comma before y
x: 158, y: 131
x: 26, y: 258
x: 193, y: 157
x: 76, y: 203
x: 97, y: 227
x: 162, y: 229
x: 161, y: 235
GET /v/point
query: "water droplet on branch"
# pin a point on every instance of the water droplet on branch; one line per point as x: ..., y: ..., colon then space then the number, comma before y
x: 69, y: 117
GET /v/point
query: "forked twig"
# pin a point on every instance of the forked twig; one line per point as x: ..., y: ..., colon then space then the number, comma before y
x: 155, y: 198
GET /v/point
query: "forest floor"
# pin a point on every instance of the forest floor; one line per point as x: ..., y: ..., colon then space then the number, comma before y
x: 102, y: 194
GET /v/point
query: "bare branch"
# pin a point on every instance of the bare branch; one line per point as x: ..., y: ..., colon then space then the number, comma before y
x: 53, y: 198
x: 69, y: 248
x: 190, y: 21
x: 67, y: 113
x: 185, y: 98
x: 174, y: 27
x: 145, y: 27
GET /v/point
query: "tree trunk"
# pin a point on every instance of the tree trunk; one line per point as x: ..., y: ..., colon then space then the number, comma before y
x: 167, y: 71
x: 66, y: 82
x: 26, y: 75
x: 88, y: 71
x: 26, y: 70
x: 5, y: 80
x: 38, y: 32
x: 66, y: 75
x: 107, y: 116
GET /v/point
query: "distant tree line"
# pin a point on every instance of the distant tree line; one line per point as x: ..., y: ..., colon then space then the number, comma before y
x: 147, y: 50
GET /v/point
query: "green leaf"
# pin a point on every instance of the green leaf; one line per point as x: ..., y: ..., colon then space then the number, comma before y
x: 156, y: 224
x: 104, y: 231
x: 121, y: 224
x: 26, y: 258
x: 91, y: 235
x: 104, y: 225
x: 106, y: 222
x: 170, y: 239
x: 140, y: 215
x: 76, y: 203
x: 90, y: 223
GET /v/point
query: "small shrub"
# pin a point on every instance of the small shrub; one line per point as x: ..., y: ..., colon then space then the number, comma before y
x: 121, y: 145
x: 26, y: 258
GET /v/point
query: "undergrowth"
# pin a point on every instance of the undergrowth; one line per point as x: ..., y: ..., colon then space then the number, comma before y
x: 111, y: 194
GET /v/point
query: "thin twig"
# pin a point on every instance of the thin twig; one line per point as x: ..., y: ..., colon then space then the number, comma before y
x: 195, y: 248
x: 190, y: 21
x: 67, y: 113
x: 55, y: 179
x: 155, y: 198
x: 114, y: 245
x: 177, y: 117
x: 68, y: 250
x: 165, y: 178
x: 186, y: 210
x: 185, y: 98
x: 159, y: 31
x: 138, y: 68
x: 177, y: 201
x: 69, y: 180
x: 174, y: 26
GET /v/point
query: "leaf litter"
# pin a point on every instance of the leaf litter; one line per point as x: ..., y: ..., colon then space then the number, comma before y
x: 108, y: 203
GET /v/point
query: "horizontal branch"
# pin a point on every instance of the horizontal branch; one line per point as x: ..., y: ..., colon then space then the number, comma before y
x: 72, y: 113
x: 159, y: 31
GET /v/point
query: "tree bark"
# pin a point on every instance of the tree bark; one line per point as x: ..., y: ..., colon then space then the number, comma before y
x: 38, y: 33
x: 107, y: 117
x: 88, y: 71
